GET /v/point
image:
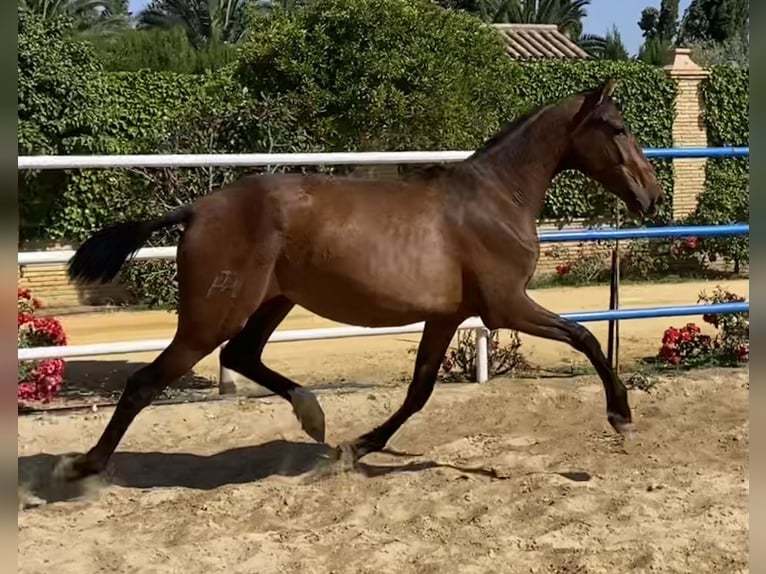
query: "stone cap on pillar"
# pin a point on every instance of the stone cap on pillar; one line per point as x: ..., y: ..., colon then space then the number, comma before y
x: 682, y: 66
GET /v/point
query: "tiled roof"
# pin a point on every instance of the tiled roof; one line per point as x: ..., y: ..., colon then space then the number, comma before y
x: 538, y: 41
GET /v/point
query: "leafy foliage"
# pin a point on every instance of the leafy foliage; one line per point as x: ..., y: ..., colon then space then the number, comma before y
x: 659, y: 28
x: 58, y: 101
x: 38, y: 380
x: 381, y: 74
x: 204, y: 21
x: 160, y: 50
x: 688, y: 347
x: 726, y: 197
x: 614, y: 48
x: 394, y: 75
x: 89, y: 17
x: 733, y: 51
x: 334, y: 75
x: 715, y: 20
x: 647, y: 98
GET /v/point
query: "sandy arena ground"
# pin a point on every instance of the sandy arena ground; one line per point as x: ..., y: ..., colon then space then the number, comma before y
x: 516, y: 476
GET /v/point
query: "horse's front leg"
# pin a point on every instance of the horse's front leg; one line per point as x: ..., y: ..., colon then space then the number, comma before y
x: 521, y: 313
x: 433, y: 346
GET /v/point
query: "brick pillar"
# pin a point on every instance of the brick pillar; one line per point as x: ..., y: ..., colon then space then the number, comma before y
x: 688, y: 131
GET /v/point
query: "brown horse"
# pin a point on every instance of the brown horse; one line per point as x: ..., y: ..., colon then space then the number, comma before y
x: 455, y: 243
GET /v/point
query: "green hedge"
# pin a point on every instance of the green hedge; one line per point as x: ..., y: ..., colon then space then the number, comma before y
x: 335, y: 75
x: 726, y: 197
x: 405, y: 74
x: 646, y: 96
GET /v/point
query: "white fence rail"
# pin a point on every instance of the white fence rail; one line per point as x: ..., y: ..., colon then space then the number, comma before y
x: 237, y: 159
x: 220, y: 160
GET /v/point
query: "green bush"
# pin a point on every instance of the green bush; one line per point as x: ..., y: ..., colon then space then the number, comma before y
x: 57, y: 109
x: 726, y: 196
x: 399, y: 74
x: 335, y: 75
x: 647, y: 98
x: 381, y: 74
x: 160, y: 50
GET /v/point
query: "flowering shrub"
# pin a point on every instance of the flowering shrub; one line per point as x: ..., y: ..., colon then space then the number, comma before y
x: 460, y: 361
x: 562, y: 270
x: 684, y: 247
x: 588, y: 263
x: 686, y: 345
x: 733, y: 340
x: 38, y: 380
x: 731, y: 345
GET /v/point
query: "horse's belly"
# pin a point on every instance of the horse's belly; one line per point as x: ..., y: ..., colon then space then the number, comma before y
x: 374, y: 299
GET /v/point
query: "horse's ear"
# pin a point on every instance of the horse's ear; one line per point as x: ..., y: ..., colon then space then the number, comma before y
x: 607, y: 90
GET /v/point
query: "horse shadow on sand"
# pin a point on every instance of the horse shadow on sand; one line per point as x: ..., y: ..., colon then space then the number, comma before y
x: 145, y: 470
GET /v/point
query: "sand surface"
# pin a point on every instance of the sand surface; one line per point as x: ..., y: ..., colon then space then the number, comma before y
x: 516, y: 476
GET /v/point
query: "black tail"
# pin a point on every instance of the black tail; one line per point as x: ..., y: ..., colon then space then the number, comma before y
x: 101, y: 256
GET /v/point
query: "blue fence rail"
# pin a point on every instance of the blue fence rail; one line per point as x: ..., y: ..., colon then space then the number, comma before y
x: 611, y: 234
x: 606, y: 234
x: 696, y: 152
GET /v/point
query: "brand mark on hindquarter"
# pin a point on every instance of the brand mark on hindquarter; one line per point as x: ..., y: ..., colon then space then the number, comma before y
x: 225, y: 282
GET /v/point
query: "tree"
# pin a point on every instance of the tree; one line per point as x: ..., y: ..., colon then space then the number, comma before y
x: 381, y: 74
x: 95, y: 17
x: 660, y: 24
x: 659, y: 28
x: 566, y: 14
x: 204, y: 21
x: 614, y: 49
x: 715, y: 20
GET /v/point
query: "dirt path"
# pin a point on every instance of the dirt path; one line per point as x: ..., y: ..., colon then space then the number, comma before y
x: 516, y: 476
x: 387, y: 359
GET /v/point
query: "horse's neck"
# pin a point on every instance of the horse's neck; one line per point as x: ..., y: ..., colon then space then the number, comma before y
x: 525, y: 161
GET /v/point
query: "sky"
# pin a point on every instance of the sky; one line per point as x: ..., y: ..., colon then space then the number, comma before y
x: 602, y: 14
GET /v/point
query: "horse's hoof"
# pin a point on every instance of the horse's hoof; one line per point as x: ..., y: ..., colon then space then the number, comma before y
x: 622, y: 425
x: 346, y: 456
x: 65, y: 470
x: 309, y: 413
x: 72, y: 468
x: 29, y: 500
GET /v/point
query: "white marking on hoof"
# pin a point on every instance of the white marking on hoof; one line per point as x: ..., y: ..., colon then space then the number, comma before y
x: 623, y: 426
x: 308, y: 412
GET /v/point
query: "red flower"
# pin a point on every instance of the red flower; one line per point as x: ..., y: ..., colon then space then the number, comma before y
x: 38, y: 380
x: 743, y: 352
x: 691, y: 243
x: 562, y: 270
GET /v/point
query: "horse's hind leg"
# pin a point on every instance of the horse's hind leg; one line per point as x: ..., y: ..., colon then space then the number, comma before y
x: 433, y: 345
x: 141, y: 389
x: 243, y: 354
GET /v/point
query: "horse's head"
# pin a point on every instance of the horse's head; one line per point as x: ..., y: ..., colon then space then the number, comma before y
x: 604, y: 149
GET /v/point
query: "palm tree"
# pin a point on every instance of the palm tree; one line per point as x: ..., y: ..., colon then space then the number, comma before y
x: 204, y: 21
x: 566, y: 14
x: 94, y: 17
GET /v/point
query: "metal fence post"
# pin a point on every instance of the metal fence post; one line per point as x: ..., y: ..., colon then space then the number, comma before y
x: 482, y: 355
